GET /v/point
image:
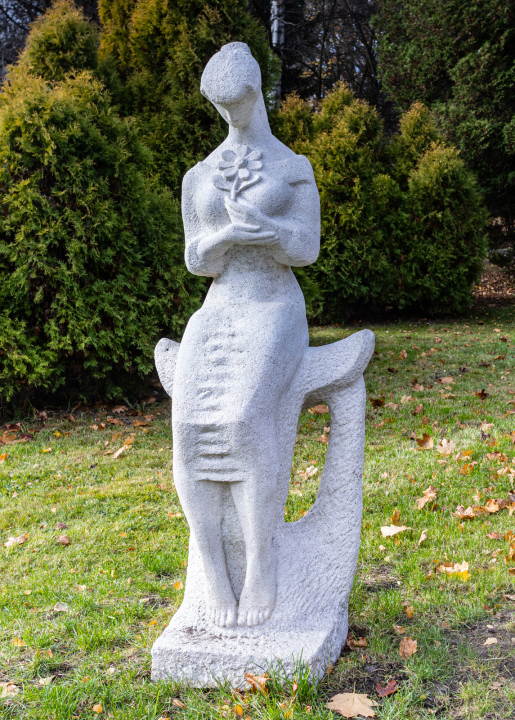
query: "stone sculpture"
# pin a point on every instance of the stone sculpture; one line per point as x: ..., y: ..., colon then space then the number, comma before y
x: 259, y: 591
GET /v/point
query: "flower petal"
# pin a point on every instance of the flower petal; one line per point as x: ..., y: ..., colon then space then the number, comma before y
x: 222, y: 165
x: 254, y: 165
x: 243, y: 173
x: 229, y: 173
x: 241, y: 151
x: 254, y: 155
x: 228, y: 155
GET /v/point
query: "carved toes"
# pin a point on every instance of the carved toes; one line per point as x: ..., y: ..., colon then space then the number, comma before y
x: 223, y: 617
x: 256, y: 616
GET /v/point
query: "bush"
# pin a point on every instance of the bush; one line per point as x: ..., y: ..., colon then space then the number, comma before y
x: 159, y: 50
x: 402, y: 219
x: 459, y: 58
x: 91, y: 251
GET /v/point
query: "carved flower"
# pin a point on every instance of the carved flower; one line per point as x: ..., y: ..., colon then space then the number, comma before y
x: 239, y: 168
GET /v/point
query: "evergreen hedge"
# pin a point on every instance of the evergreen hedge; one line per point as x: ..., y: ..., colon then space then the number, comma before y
x: 402, y: 219
x: 91, y: 249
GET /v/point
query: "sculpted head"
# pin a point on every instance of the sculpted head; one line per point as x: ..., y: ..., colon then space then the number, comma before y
x: 232, y: 82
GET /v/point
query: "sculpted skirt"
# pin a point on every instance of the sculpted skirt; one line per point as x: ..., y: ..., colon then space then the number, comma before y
x: 234, y: 364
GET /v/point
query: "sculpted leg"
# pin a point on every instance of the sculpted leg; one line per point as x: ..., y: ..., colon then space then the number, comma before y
x: 201, y: 501
x: 254, y: 500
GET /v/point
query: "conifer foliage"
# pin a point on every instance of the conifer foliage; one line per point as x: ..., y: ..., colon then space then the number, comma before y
x: 91, y: 267
x: 160, y: 48
x: 402, y: 219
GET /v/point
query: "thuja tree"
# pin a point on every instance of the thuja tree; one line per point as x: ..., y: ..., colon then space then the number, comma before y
x: 159, y: 49
x: 91, y: 267
x: 459, y: 59
x: 402, y: 218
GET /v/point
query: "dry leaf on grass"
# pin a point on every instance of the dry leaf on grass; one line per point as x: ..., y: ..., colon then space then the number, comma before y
x: 396, y: 517
x: 403, y: 355
x: 425, y: 442
x: 464, y: 514
x: 446, y: 447
x: 390, y: 688
x: 61, y: 607
x: 178, y: 703
x: 8, y: 689
x: 120, y: 451
x: 495, y: 536
x: 399, y: 629
x: 141, y: 423
x: 18, y: 642
x: 257, y: 682
x: 119, y: 409
x: 3, y: 457
x: 63, y: 540
x: 377, y: 402
x: 97, y: 708
x: 407, y: 648
x: 410, y: 611
x: 323, y: 439
x: 321, y: 409
x: 178, y: 585
x: 490, y: 641
x: 446, y: 380
x: 352, y: 705
x: 482, y: 395
x: 459, y: 569
x: 388, y: 531
x: 428, y: 495
x: 355, y: 643
x: 13, y: 541
x: 46, y: 680
x: 422, y: 537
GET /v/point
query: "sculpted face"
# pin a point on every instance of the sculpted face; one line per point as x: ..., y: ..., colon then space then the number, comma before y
x: 238, y: 112
x: 232, y: 82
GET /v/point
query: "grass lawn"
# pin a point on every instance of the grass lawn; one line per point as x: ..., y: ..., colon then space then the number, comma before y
x: 77, y: 620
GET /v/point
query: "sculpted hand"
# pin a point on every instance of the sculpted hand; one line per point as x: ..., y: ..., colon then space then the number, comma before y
x: 242, y: 212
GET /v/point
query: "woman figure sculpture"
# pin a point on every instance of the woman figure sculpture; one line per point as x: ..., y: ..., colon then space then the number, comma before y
x: 251, y: 211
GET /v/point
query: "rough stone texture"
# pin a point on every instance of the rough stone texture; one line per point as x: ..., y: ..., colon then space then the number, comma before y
x: 259, y: 591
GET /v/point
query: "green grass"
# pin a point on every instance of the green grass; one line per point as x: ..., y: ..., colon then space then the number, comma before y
x: 122, y: 574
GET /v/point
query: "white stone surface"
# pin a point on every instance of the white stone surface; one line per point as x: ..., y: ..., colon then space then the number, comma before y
x: 259, y: 591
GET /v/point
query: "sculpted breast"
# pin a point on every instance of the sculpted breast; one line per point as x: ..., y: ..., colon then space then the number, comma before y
x: 273, y: 194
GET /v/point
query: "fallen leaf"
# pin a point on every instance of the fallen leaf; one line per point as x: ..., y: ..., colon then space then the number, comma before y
x: 97, y: 708
x: 8, y: 689
x: 120, y: 451
x: 141, y: 423
x: 61, y: 607
x: 495, y: 536
x: 422, y: 537
x: 418, y: 409
x: 425, y: 442
x: 119, y: 409
x: 399, y: 629
x: 491, y: 506
x: 428, y: 495
x: 178, y: 585
x: 257, y: 682
x: 490, y: 641
x: 351, y: 705
x: 115, y: 421
x: 393, y: 530
x: 446, y: 380
x: 406, y: 399
x: 3, y: 457
x: 321, y: 409
x: 482, y: 395
x: 377, y: 402
x: 407, y: 648
x: 463, y: 514
x: 46, y: 680
x: 18, y: 642
x: 323, y: 439
x: 63, y: 540
x: 403, y: 355
x: 355, y: 643
x: 13, y: 541
x: 396, y: 516
x: 178, y: 703
x: 446, y: 447
x: 390, y: 688
x: 410, y: 611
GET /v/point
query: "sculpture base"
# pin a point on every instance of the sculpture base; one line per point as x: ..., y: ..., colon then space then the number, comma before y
x: 204, y: 657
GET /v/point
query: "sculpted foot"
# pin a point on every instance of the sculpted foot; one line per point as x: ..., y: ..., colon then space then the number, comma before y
x: 224, y: 616
x: 258, y: 597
